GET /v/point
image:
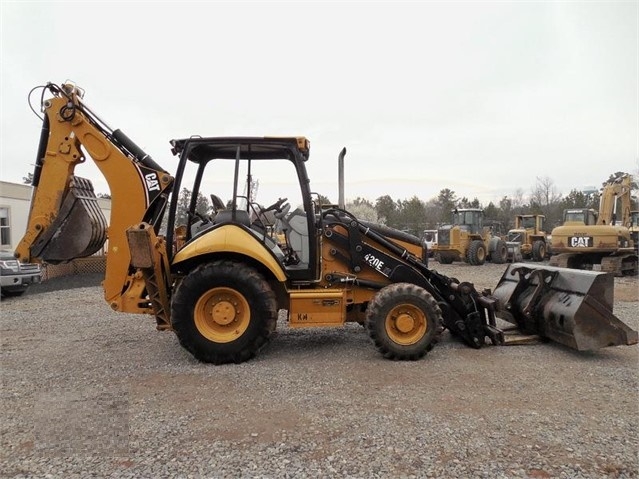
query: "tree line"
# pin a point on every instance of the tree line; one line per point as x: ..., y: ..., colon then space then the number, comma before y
x: 415, y: 215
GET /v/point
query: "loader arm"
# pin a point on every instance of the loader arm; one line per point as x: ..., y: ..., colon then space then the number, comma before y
x: 466, y: 312
x: 65, y: 221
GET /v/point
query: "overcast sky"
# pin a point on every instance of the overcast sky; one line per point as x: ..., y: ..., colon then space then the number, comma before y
x: 478, y: 97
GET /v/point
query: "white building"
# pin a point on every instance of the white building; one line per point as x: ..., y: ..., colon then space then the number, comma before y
x: 15, y: 200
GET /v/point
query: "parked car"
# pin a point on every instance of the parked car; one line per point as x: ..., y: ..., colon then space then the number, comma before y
x: 16, y: 277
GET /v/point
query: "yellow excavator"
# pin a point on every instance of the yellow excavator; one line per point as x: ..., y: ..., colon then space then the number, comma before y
x: 634, y: 227
x: 598, y: 240
x: 220, y: 279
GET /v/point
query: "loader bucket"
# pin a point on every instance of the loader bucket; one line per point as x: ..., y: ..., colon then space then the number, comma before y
x: 571, y: 307
x: 78, y: 230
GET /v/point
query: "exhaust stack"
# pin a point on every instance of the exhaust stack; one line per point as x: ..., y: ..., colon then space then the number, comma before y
x: 340, y: 178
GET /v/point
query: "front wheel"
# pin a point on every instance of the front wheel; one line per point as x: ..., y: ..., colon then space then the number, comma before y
x: 476, y: 254
x: 500, y: 253
x: 223, y: 312
x: 403, y: 321
x: 538, y: 250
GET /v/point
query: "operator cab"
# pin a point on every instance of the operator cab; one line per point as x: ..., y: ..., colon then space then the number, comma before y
x: 469, y: 219
x: 580, y: 216
x: 528, y: 222
x: 235, y: 173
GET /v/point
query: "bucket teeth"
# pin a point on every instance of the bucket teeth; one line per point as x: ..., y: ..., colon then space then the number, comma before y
x: 571, y: 307
x: 79, y: 228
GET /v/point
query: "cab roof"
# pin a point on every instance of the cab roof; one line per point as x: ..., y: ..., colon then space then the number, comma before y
x: 251, y: 148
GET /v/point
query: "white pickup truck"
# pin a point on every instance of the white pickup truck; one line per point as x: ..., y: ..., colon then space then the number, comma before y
x: 15, y: 277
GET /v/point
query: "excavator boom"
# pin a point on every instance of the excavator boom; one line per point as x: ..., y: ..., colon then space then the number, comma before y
x: 617, y: 190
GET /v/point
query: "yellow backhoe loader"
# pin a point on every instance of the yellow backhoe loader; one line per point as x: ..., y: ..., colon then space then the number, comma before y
x: 219, y: 280
x: 599, y: 241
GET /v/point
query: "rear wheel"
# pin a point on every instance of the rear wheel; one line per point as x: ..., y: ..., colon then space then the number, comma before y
x: 538, y: 250
x: 223, y: 312
x: 500, y: 253
x: 476, y: 253
x: 403, y: 321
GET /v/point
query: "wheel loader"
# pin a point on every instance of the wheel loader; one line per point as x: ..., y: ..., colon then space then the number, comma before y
x: 467, y: 239
x: 529, y: 232
x: 219, y: 280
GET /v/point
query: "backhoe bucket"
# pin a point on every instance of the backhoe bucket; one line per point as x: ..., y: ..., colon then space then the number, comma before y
x: 78, y: 230
x: 571, y: 307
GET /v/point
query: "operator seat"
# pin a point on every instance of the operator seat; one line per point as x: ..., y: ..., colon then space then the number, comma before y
x: 217, y: 203
x: 223, y: 216
x: 295, y: 228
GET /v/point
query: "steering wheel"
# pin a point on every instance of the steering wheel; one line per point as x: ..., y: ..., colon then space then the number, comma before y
x: 275, y: 206
x: 281, y: 213
x: 196, y: 214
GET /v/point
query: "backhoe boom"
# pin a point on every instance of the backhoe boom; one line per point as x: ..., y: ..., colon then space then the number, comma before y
x: 65, y: 221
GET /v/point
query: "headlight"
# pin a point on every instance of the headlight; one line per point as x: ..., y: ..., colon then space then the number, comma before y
x: 11, y: 264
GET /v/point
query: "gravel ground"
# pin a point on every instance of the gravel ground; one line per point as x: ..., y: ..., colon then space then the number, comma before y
x: 87, y: 392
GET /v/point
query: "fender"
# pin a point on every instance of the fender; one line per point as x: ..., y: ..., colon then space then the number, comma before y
x: 230, y: 239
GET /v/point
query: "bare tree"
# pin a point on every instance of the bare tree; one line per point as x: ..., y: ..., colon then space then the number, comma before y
x: 363, y: 210
x: 518, y: 199
x: 545, y: 192
x: 546, y: 199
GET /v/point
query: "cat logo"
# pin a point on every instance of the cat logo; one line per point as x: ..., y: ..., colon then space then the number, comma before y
x: 152, y: 183
x: 580, y: 241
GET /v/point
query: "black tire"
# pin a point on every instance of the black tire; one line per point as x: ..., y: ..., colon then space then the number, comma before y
x: 538, y: 250
x: 13, y: 293
x: 476, y: 254
x: 500, y: 253
x: 403, y: 320
x: 223, y: 312
x: 444, y: 258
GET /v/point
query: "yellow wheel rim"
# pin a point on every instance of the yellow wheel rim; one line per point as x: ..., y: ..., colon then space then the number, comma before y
x: 222, y: 315
x: 406, y: 324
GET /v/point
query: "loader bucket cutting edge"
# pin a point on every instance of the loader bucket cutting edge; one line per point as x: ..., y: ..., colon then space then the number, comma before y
x: 79, y: 229
x: 571, y: 307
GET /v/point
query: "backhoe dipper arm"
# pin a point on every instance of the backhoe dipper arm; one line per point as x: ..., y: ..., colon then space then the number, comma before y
x: 65, y: 221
